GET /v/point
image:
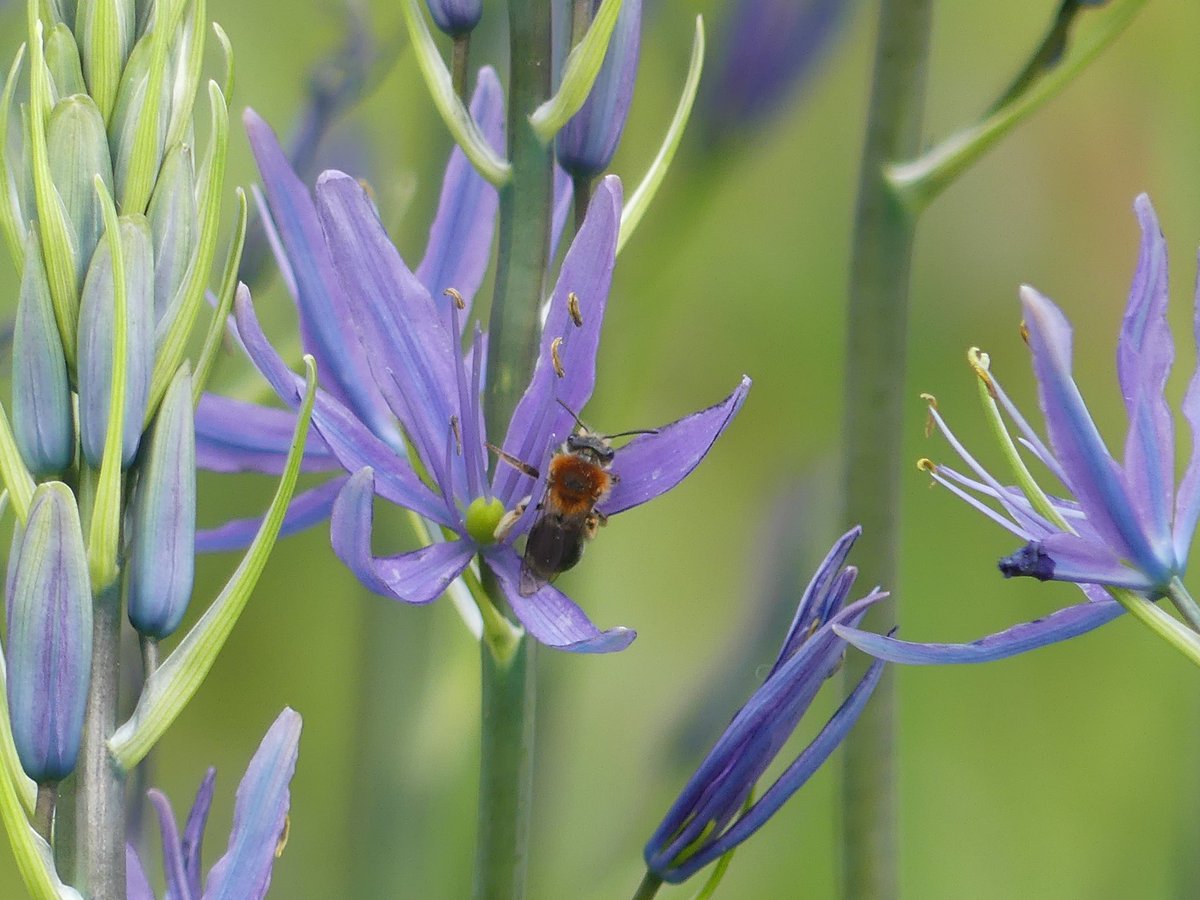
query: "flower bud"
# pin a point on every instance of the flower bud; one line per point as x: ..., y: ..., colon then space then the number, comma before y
x: 174, y: 225
x: 41, y: 402
x: 102, y: 58
x: 62, y: 59
x: 163, y: 523
x: 95, y: 356
x: 78, y: 151
x: 49, y: 637
x: 456, y: 17
x: 588, y: 141
x: 131, y: 107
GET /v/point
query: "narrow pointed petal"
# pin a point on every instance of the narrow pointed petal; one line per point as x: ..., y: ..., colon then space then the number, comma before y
x: 417, y: 577
x: 1060, y: 625
x: 550, y: 615
x: 259, y: 815
x: 1094, y: 477
x: 793, y: 778
x: 408, y: 348
x: 822, y: 597
x: 236, y: 436
x: 460, y: 240
x: 586, y: 272
x: 172, y: 849
x: 307, y: 509
x: 320, y: 294
x: 137, y: 885
x: 193, y: 832
x: 50, y: 636
x: 1187, y: 500
x: 162, y: 556
x: 353, y: 444
x: 1145, y: 352
x: 652, y: 464
x: 1065, y: 557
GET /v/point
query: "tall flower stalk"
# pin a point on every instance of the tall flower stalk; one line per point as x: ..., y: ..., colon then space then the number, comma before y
x: 112, y: 221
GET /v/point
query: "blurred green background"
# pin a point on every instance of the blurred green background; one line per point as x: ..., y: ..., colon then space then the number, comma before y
x: 1066, y: 773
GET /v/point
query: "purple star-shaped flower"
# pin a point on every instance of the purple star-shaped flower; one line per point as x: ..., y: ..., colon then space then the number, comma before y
x: 390, y: 353
x: 255, y: 839
x: 1121, y: 525
x: 710, y: 817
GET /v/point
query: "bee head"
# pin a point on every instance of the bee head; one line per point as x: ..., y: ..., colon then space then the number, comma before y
x: 591, y: 447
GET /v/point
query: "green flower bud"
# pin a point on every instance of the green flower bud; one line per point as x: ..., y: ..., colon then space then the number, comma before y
x: 62, y: 59
x: 174, y: 225
x: 104, y: 29
x: 78, y: 150
x: 163, y: 523
x: 127, y: 119
x: 95, y: 354
x: 41, y: 402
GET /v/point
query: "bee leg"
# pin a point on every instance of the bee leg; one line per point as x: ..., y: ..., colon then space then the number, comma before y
x: 593, y: 523
x: 509, y: 519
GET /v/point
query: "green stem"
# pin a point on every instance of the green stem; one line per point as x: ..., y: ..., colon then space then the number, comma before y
x: 43, y: 813
x: 100, y: 792
x: 875, y: 364
x: 1184, y: 603
x: 507, y: 698
x: 460, y: 55
x: 649, y: 887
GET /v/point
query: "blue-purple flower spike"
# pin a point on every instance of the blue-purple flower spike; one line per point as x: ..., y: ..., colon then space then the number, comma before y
x: 710, y: 817
x: 256, y: 838
x: 49, y: 636
x: 1121, y: 525
x: 586, y: 144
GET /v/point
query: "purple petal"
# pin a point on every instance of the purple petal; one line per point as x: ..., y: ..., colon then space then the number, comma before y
x: 652, y: 464
x: 347, y: 437
x: 320, y: 296
x: 1187, y: 500
x: 794, y: 778
x: 236, y: 436
x: 550, y: 615
x: 1145, y: 352
x: 587, y: 273
x: 173, y: 871
x: 259, y: 816
x: 417, y: 577
x: 1067, y: 557
x: 564, y: 199
x: 460, y: 240
x: 1060, y: 625
x: 137, y: 885
x: 1094, y: 477
x: 408, y: 348
x: 306, y: 510
x: 193, y: 832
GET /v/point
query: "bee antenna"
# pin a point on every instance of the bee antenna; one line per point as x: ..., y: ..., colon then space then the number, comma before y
x: 609, y: 437
x: 578, y: 421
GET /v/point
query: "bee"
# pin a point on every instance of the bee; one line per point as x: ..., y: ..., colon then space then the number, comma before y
x: 580, y: 479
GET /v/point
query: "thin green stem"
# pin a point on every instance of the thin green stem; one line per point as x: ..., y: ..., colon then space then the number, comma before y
x: 1184, y: 603
x: 143, y: 773
x: 508, y: 694
x: 875, y: 364
x: 43, y: 812
x: 649, y: 886
x: 460, y: 56
x: 100, y: 793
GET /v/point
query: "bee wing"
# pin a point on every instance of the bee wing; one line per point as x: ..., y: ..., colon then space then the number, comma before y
x: 554, y: 544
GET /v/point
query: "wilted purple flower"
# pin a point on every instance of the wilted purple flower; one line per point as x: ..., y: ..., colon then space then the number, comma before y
x: 49, y: 635
x: 456, y: 17
x: 256, y: 838
x: 770, y: 46
x: 1119, y: 525
x: 586, y: 144
x: 413, y: 353
x: 710, y: 816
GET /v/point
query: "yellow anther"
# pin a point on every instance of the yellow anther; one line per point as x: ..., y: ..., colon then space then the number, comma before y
x: 981, y: 363
x: 929, y: 422
x: 457, y: 435
x: 456, y: 297
x: 1024, y: 331
x: 283, y: 835
x: 558, y: 366
x: 573, y: 309
x: 925, y: 464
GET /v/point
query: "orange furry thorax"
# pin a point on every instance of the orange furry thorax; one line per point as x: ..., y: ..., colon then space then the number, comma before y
x: 575, y: 485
